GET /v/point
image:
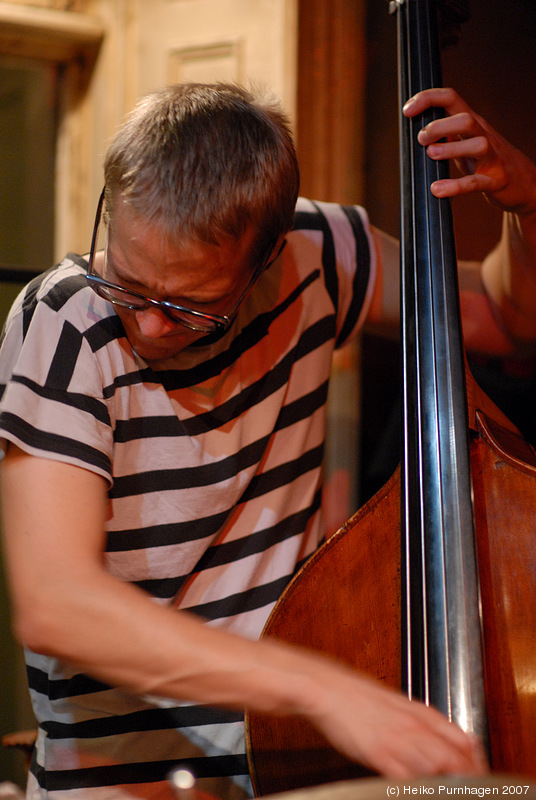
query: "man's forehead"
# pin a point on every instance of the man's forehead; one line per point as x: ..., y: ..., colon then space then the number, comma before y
x: 124, y: 220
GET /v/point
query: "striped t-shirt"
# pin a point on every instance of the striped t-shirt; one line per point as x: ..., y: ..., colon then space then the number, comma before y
x: 214, y: 467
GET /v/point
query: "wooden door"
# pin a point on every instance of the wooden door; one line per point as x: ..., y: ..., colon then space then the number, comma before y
x: 215, y: 40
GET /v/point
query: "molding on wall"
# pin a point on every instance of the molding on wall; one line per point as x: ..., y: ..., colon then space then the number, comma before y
x: 51, y: 34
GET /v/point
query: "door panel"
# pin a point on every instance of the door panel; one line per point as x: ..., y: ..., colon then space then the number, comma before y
x: 217, y: 40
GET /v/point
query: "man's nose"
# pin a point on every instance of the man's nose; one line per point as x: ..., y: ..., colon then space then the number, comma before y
x: 153, y: 323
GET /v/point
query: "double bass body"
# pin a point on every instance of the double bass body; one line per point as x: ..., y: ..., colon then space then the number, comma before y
x: 357, y: 617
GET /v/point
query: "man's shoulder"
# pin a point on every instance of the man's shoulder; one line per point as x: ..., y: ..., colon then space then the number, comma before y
x: 51, y: 289
x: 54, y: 284
x: 321, y: 215
x: 312, y: 213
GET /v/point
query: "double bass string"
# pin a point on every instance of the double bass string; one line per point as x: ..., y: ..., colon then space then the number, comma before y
x: 439, y: 566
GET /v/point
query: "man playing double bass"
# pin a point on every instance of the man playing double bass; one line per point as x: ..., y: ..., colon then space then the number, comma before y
x: 163, y: 421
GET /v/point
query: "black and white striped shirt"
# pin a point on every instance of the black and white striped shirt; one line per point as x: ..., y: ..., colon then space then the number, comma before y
x: 214, y: 469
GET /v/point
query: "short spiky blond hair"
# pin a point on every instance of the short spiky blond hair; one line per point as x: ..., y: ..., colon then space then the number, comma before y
x: 202, y: 161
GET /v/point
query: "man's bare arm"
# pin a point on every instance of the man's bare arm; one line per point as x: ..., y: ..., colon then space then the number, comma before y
x: 67, y: 605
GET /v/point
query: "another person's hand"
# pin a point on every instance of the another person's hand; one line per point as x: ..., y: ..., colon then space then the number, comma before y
x: 487, y: 162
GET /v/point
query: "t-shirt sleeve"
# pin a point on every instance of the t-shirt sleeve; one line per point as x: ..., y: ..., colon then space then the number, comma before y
x: 52, y: 402
x: 348, y: 259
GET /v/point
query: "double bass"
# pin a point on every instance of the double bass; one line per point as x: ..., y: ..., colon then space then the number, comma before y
x: 435, y: 577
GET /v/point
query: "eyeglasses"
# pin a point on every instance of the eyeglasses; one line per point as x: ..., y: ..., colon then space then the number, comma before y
x: 189, y: 317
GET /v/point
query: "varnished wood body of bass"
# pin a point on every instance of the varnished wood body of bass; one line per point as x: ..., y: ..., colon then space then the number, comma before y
x: 346, y: 602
